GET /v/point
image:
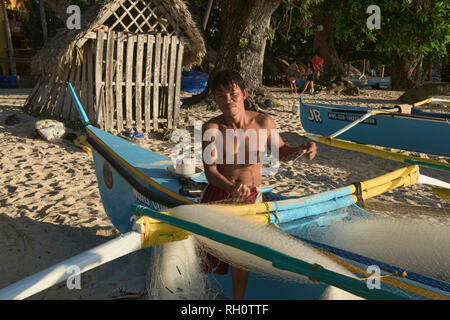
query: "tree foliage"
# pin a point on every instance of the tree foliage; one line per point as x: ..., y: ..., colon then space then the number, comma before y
x: 30, y: 19
x: 411, y: 30
x: 291, y: 31
x: 31, y: 26
x: 212, y: 33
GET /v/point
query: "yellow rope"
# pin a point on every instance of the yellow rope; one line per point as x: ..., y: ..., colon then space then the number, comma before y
x: 388, y: 279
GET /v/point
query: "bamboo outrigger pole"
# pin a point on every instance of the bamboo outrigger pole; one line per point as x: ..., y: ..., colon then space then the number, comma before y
x: 85, y: 261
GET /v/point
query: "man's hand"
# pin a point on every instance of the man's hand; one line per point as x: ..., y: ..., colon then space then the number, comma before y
x: 310, y: 150
x: 307, y: 149
x: 241, y: 193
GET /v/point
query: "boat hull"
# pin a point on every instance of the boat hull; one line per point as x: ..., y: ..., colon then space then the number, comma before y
x: 118, y: 194
x: 371, y: 81
x: 419, y: 133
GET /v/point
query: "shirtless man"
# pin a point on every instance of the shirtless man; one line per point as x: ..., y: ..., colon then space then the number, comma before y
x: 232, y: 180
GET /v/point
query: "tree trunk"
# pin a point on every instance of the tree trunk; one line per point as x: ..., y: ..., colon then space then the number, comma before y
x: 43, y: 21
x: 207, y: 13
x: 324, y: 47
x: 244, y: 27
x: 402, y: 72
x: 60, y: 8
x: 417, y: 74
x: 12, y: 60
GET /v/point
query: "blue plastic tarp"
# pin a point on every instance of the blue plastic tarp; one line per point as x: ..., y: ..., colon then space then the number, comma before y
x: 8, y: 82
x: 194, y: 81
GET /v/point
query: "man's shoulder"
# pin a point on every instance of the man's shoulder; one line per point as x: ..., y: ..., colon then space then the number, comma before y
x: 262, y: 119
x: 214, y: 122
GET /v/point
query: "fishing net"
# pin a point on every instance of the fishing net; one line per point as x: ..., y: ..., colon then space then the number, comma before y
x: 166, y: 279
x: 347, y: 241
x: 412, y: 245
x: 414, y: 249
x: 175, y: 273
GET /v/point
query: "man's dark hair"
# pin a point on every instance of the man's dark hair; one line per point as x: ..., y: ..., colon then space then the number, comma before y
x: 226, y: 78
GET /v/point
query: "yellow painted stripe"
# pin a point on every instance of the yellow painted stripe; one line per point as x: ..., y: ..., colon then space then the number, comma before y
x: 376, y: 152
x: 243, y: 209
x: 140, y: 174
x: 399, y: 178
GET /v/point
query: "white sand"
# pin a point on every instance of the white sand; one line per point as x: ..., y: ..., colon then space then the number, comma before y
x: 50, y: 207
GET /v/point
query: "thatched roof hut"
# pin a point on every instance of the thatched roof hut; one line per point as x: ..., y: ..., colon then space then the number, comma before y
x: 125, y: 63
x: 169, y: 17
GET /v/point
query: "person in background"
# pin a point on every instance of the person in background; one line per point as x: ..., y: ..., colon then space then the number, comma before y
x: 293, y: 74
x: 309, y: 78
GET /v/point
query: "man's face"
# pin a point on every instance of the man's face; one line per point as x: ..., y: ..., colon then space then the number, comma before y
x: 230, y: 99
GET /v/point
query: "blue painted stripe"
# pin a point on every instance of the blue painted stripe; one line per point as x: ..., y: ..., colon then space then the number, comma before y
x: 383, y: 266
x: 83, y: 116
x: 284, y: 216
x: 312, y: 199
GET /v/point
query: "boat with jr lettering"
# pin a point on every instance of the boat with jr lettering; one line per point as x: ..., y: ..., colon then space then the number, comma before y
x: 284, y: 242
x: 418, y: 131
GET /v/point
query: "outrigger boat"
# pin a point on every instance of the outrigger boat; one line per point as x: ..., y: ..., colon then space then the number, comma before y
x: 444, y: 102
x: 419, y: 131
x: 347, y: 145
x: 371, y: 81
x: 142, y: 200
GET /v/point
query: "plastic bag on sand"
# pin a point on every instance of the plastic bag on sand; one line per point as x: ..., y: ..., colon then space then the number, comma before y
x: 50, y: 130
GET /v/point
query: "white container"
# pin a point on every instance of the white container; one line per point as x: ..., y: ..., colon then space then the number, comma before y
x: 187, y: 167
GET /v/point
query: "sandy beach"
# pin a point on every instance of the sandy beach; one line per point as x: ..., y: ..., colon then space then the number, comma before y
x: 50, y: 207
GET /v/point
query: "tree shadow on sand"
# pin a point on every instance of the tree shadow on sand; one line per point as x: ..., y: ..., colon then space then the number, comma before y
x: 28, y: 246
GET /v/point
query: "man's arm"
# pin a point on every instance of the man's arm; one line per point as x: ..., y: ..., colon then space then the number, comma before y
x: 285, y: 151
